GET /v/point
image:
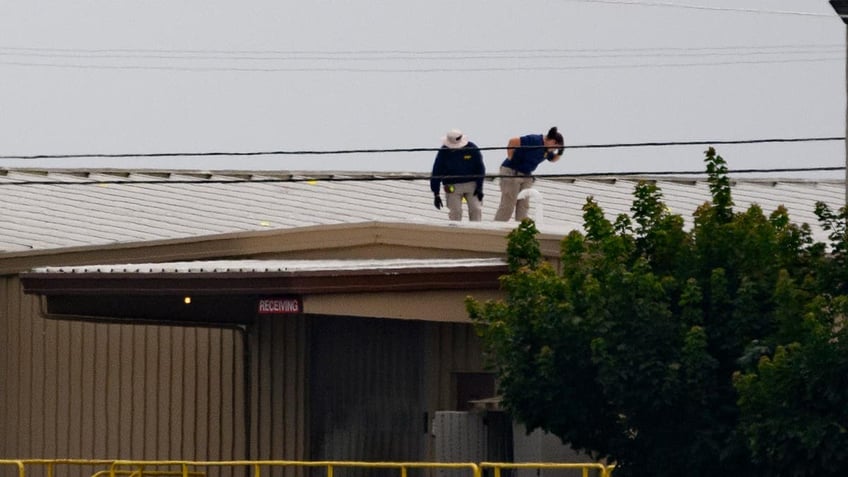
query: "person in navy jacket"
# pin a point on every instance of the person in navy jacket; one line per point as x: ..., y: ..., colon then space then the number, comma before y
x: 460, y: 170
x: 523, y: 155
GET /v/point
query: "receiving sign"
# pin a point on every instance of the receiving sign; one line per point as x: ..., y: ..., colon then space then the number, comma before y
x: 280, y: 306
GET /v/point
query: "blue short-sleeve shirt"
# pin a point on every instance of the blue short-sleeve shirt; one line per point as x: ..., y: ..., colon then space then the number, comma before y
x: 526, y: 159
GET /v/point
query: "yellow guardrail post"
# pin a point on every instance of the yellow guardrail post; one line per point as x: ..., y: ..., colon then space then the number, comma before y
x: 17, y: 463
x: 51, y: 466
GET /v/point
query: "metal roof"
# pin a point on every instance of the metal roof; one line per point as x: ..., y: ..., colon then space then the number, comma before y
x: 61, y: 208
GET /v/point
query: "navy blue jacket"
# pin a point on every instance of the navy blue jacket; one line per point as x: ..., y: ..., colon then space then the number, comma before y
x: 466, y: 161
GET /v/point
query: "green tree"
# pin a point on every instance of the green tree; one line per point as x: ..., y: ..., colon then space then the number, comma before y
x: 629, y: 353
x: 794, y: 403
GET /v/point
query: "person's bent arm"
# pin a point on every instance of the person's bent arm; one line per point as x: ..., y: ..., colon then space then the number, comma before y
x: 511, y: 146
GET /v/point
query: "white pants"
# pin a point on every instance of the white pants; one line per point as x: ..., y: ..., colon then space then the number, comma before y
x: 454, y: 201
x: 510, y: 187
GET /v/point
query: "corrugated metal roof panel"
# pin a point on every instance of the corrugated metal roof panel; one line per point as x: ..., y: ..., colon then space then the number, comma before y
x: 49, y: 209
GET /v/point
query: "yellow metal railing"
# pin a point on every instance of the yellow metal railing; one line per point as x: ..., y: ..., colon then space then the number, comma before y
x: 330, y: 466
x: 150, y: 473
x: 603, y: 470
x: 179, y: 468
x: 50, y: 465
x: 16, y: 463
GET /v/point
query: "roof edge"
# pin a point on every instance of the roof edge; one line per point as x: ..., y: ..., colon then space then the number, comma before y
x: 414, y: 278
x: 484, y: 240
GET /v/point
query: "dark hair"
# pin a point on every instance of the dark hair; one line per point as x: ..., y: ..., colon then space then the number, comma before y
x: 556, y: 136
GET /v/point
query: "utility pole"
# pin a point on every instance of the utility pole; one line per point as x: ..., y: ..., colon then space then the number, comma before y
x: 841, y: 7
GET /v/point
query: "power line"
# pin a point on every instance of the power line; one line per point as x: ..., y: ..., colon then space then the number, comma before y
x: 402, y: 178
x: 415, y: 149
x: 405, y: 55
x: 448, y: 53
x: 450, y: 69
x: 706, y: 143
x: 468, y: 57
x: 643, y: 3
x: 212, y: 60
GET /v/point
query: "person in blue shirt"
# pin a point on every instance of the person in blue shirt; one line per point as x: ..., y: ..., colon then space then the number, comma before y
x: 523, y: 155
x: 460, y: 170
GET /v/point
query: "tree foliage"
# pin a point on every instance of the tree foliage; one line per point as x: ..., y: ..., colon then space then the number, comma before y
x: 717, y: 349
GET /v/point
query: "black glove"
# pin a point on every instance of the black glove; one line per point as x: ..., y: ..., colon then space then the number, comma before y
x: 437, y: 201
x: 478, y: 193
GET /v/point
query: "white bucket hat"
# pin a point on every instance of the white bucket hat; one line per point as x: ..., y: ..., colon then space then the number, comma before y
x: 454, y: 139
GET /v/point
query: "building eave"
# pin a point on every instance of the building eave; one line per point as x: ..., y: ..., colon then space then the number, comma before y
x: 252, y: 283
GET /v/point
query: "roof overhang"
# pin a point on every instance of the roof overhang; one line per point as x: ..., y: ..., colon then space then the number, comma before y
x: 266, y: 276
x: 219, y: 292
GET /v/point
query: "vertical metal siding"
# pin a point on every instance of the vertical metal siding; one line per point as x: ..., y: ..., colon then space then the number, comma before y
x: 365, y: 391
x: 455, y: 347
x: 95, y: 390
x: 451, y: 348
x: 277, y: 391
x: 389, y: 373
x: 106, y: 391
x: 278, y: 356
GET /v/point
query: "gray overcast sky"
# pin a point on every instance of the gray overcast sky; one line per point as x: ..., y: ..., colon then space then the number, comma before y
x: 155, y: 76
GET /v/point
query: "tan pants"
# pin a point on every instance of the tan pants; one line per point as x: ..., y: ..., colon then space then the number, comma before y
x: 510, y: 187
x: 454, y: 201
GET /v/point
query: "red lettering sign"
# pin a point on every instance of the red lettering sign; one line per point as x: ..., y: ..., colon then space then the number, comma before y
x: 279, y: 306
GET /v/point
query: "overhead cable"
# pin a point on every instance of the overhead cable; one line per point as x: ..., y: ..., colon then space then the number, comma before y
x: 643, y: 3
x: 415, y: 149
x: 417, y: 55
x: 376, y: 177
x: 448, y: 53
x: 410, y: 61
x: 446, y: 69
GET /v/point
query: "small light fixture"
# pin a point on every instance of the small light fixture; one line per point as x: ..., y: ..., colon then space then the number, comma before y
x: 187, y: 300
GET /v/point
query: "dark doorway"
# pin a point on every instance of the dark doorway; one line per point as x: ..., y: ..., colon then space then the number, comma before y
x: 473, y: 387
